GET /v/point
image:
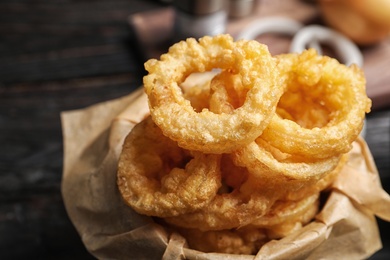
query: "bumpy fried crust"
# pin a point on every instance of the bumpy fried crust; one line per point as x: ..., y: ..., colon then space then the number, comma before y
x: 242, y: 156
x: 280, y: 171
x: 158, y: 178
x: 226, y: 93
x: 207, y: 131
x: 233, y: 241
x: 289, y: 211
x: 268, y: 166
x: 337, y: 89
x: 225, y: 211
x: 284, y: 229
x: 322, y: 184
x: 196, y: 89
x: 284, y: 218
x: 232, y: 207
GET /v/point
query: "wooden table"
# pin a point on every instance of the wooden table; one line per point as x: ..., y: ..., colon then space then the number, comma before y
x: 63, y: 55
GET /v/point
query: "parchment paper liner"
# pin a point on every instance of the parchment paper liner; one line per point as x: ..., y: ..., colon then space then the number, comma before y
x: 346, y: 227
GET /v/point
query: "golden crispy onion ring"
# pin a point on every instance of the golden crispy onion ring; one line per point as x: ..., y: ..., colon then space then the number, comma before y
x: 158, y: 178
x: 207, y: 131
x: 271, y: 169
x: 244, y: 240
x: 339, y: 89
x: 288, y: 211
x: 233, y: 206
x: 321, y: 184
x: 225, y: 211
x: 286, y: 228
x: 282, y: 219
x: 226, y: 93
x: 196, y: 88
x: 285, y: 217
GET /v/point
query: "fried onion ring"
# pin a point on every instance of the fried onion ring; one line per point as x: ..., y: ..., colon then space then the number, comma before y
x: 196, y: 88
x: 158, y: 178
x: 283, y: 218
x: 271, y: 169
x: 226, y: 93
x: 231, y: 208
x: 207, y: 131
x: 337, y: 88
x: 235, y: 241
x: 288, y: 211
x: 322, y: 184
x: 286, y: 228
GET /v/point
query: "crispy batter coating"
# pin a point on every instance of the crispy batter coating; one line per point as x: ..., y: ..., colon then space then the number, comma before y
x: 233, y: 206
x: 206, y: 131
x: 288, y: 211
x: 283, y: 218
x: 281, y: 171
x: 320, y: 185
x: 341, y: 104
x: 232, y: 241
x: 243, y: 155
x: 158, y: 178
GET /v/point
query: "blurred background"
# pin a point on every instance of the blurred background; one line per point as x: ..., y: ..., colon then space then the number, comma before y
x: 62, y: 55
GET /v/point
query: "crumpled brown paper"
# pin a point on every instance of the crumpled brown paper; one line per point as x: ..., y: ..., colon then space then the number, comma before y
x: 346, y: 227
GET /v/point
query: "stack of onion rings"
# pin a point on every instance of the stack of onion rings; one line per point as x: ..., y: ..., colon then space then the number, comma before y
x: 243, y: 156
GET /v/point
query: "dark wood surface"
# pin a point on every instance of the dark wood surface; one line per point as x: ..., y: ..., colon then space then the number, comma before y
x: 62, y: 55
